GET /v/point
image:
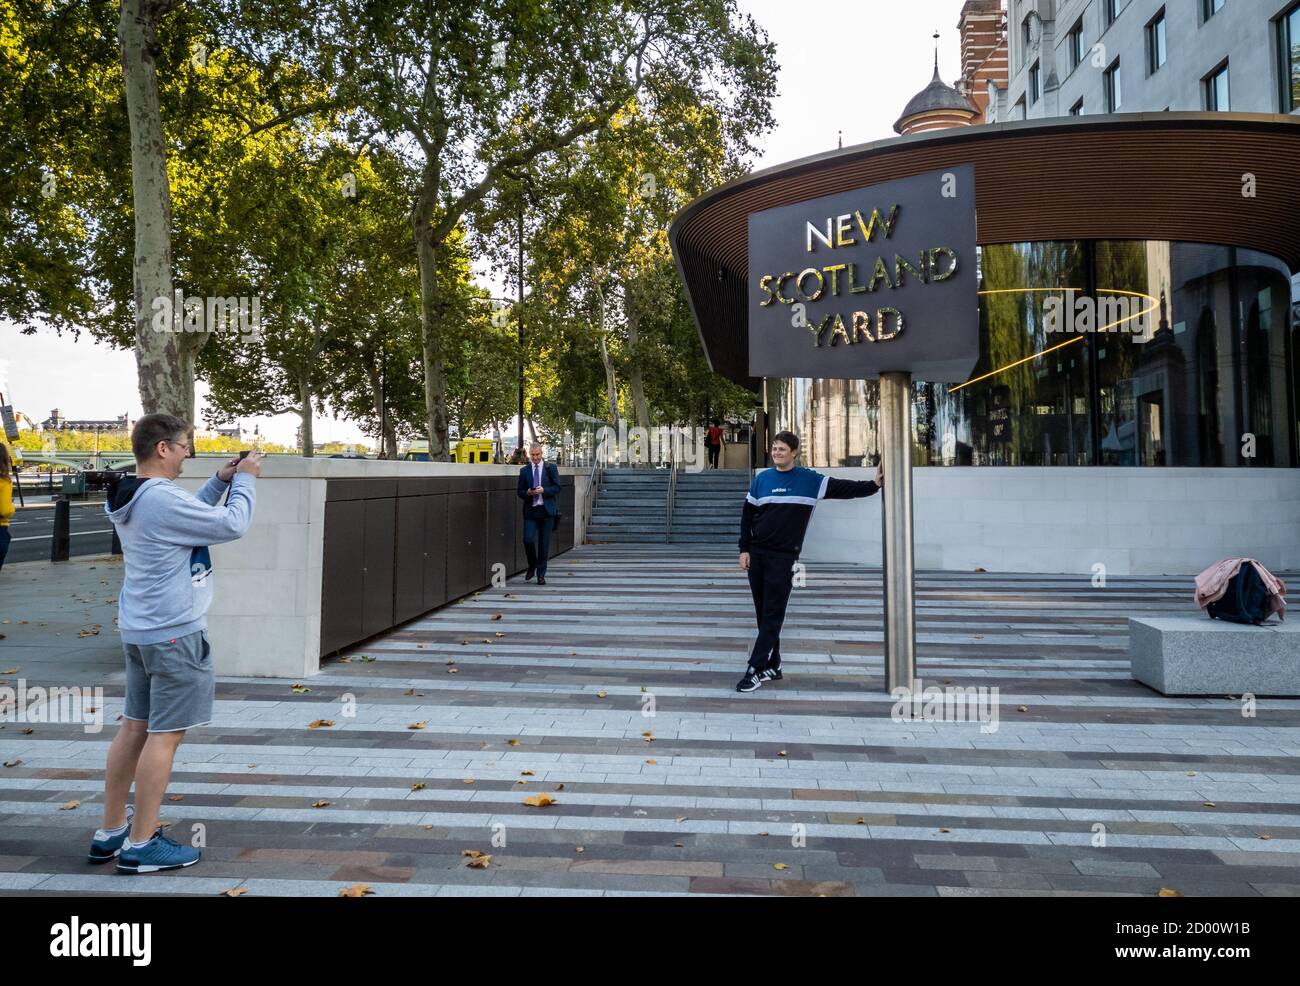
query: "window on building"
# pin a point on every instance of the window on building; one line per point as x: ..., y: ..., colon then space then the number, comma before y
x: 1288, y: 46
x: 1077, y: 108
x: 1113, y: 8
x: 1018, y: 112
x: 1114, y: 95
x: 1216, y: 89
x: 1076, y: 44
x: 1034, y: 75
x: 1211, y: 7
x: 1157, y: 53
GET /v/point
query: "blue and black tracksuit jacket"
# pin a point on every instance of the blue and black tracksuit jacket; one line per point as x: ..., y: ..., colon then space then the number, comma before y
x: 779, y: 505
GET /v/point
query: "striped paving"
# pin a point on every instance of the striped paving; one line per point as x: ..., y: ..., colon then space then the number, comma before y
x: 611, y: 690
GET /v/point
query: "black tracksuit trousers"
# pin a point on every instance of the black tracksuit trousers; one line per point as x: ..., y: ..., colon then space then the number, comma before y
x: 770, y: 578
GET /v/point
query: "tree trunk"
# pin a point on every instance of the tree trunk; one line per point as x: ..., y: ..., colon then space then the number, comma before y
x: 426, y: 255
x: 305, y: 412
x: 611, y: 381
x: 642, y: 410
x: 164, y: 355
x: 387, y: 427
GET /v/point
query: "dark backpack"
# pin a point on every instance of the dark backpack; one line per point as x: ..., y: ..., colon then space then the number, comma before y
x: 1244, y: 601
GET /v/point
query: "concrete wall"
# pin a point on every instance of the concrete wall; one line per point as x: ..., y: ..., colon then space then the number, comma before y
x: 1135, y: 521
x: 1242, y: 32
x: 266, y: 606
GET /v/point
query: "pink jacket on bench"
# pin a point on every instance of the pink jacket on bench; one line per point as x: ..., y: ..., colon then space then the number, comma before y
x: 1213, y: 583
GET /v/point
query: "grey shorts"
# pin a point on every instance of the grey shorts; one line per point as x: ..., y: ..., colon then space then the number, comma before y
x: 170, y: 684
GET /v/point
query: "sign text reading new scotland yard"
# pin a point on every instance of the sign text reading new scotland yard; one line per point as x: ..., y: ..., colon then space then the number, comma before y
x: 873, y: 280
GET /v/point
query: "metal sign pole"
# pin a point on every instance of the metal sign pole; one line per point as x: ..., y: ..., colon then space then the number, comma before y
x: 896, y: 522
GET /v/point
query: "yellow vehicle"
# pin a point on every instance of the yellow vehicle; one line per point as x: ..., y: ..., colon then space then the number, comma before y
x: 472, y: 450
x: 465, y: 450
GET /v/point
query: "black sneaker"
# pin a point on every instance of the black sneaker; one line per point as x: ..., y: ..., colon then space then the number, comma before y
x: 750, y: 682
x: 771, y: 674
x: 529, y: 574
x: 541, y: 580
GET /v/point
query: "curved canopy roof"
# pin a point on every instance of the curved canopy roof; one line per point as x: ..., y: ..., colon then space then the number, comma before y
x: 1141, y: 176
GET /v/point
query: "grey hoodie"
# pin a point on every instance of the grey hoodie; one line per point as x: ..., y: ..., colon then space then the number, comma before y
x: 165, y: 533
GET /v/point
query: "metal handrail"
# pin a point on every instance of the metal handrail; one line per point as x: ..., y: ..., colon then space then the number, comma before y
x: 593, y: 483
x: 672, y: 485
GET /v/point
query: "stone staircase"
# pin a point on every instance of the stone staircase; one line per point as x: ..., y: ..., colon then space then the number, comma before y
x: 631, y: 506
x: 707, y: 506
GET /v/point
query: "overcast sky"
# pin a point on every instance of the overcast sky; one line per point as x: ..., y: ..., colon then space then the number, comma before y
x: 845, y: 65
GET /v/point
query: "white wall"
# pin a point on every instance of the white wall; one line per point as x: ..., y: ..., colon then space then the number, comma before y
x: 1135, y: 521
x: 266, y: 606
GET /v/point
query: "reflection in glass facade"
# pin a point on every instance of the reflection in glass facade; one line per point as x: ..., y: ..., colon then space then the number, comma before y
x: 1198, y: 365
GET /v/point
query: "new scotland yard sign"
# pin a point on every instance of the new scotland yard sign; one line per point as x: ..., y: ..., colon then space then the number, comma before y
x: 871, y: 281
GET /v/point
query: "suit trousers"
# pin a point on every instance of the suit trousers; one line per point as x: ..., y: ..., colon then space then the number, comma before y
x: 537, y: 536
x: 770, y: 580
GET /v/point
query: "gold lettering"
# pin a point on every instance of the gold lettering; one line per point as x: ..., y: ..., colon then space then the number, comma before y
x: 881, y: 271
x: 765, y: 284
x: 861, y: 327
x: 837, y: 330
x: 780, y: 281
x: 834, y: 271
x: 816, y: 328
x: 881, y: 335
x: 814, y: 231
x: 843, y: 231
x: 855, y: 288
x: 900, y: 265
x: 869, y: 228
x: 935, y: 276
x: 821, y: 284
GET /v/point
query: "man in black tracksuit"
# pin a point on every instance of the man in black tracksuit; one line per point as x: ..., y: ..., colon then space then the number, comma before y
x: 778, y: 506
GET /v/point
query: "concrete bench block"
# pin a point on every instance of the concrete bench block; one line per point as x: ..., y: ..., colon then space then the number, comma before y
x: 1195, y: 655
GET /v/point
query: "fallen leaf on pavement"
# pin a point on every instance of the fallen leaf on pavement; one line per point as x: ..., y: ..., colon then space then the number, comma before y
x: 539, y: 800
x: 320, y: 804
x: 417, y: 725
x: 70, y: 806
x: 320, y: 724
x: 234, y: 892
x: 356, y: 890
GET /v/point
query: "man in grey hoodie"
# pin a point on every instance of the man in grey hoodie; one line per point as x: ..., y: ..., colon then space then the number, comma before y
x: 162, y: 616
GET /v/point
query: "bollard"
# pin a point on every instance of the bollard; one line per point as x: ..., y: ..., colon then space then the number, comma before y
x: 61, y: 540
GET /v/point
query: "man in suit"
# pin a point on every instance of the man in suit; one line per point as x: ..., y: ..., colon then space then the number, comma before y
x: 539, y: 485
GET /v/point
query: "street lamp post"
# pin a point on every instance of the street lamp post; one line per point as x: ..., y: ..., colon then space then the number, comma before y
x: 520, y: 320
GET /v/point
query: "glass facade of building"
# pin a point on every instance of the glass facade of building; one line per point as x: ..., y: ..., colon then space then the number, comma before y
x: 1197, y: 363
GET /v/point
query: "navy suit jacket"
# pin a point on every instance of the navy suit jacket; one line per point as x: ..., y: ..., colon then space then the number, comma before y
x: 550, y: 486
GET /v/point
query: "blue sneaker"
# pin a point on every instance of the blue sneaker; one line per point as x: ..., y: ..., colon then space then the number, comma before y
x: 159, y: 853
x: 104, y: 847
